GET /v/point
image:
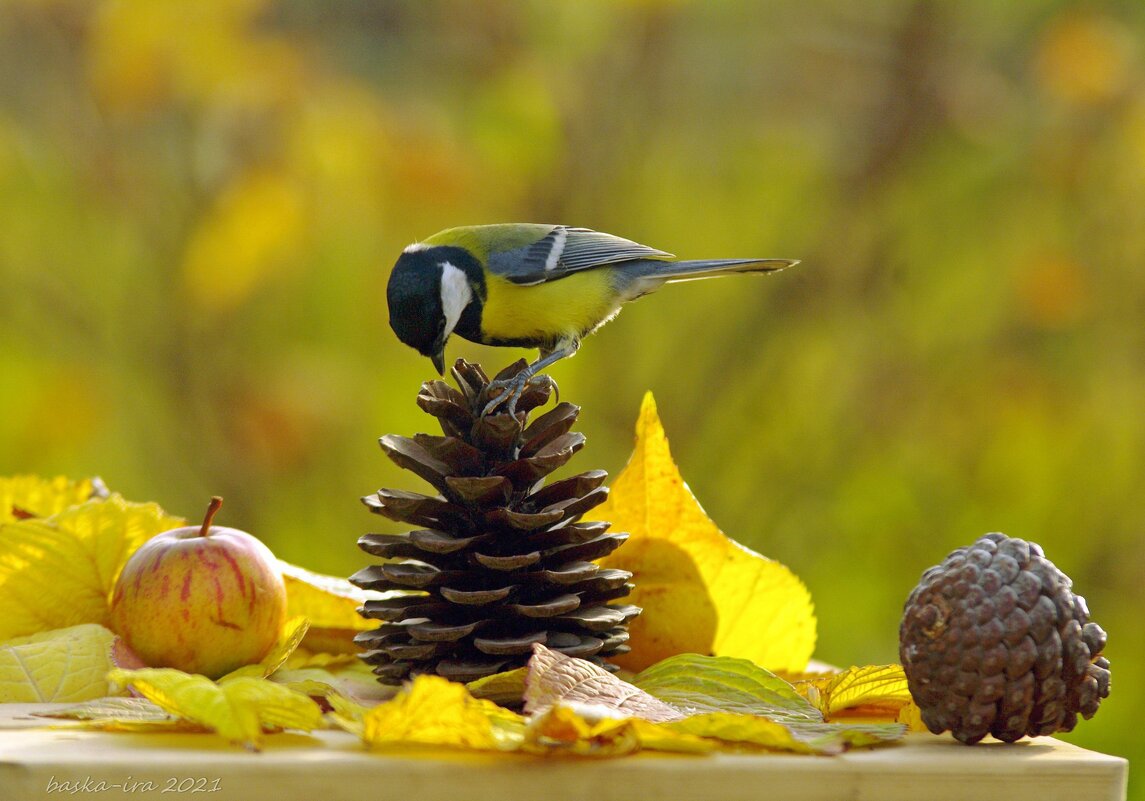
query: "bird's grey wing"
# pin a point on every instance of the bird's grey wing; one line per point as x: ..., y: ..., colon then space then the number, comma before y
x: 567, y: 250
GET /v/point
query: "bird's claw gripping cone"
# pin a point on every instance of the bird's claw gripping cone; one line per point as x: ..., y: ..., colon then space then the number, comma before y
x: 507, y: 391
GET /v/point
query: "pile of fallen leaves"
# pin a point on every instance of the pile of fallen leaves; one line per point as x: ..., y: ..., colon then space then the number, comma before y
x: 63, y: 543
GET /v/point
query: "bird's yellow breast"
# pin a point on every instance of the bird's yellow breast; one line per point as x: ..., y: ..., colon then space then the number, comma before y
x: 570, y: 307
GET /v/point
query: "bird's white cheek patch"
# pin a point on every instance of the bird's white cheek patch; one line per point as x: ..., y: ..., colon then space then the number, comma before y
x: 456, y: 294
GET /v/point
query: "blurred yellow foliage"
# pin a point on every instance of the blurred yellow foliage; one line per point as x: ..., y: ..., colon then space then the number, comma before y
x: 1053, y: 292
x: 1085, y: 57
x: 251, y: 237
x: 145, y: 54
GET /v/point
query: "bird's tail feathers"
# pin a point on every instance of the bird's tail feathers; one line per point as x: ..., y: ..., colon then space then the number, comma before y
x: 675, y: 271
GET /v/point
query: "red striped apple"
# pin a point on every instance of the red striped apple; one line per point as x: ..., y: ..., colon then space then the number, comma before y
x: 203, y: 599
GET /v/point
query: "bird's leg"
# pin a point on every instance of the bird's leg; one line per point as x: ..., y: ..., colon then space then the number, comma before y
x: 515, y: 386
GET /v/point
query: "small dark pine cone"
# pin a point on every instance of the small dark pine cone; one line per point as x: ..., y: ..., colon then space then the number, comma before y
x: 993, y: 641
x: 499, y: 561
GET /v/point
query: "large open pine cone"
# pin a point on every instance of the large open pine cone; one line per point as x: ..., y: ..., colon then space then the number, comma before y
x: 994, y: 641
x: 499, y: 561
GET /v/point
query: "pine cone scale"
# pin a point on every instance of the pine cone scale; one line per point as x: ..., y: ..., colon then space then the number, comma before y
x: 568, y: 488
x: 408, y: 454
x: 482, y: 490
x: 548, y: 608
x: 507, y: 563
x: 476, y: 597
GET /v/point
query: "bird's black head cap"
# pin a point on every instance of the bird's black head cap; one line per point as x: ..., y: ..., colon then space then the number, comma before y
x: 414, y: 298
x: 427, y: 291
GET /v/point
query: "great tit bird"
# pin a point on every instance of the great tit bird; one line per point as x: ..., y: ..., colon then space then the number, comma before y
x: 533, y: 286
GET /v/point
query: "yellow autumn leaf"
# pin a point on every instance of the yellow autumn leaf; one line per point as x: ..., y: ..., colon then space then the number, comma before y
x: 304, y: 658
x: 354, y: 682
x: 23, y: 496
x: 911, y: 717
x: 432, y: 710
x: 331, y: 604
x: 505, y: 687
x: 129, y: 714
x: 293, y: 631
x: 874, y: 687
x: 328, y: 602
x: 590, y: 730
x: 58, y: 666
x: 238, y: 709
x: 327, y: 675
x: 701, y: 591
x: 732, y: 727
x: 59, y: 571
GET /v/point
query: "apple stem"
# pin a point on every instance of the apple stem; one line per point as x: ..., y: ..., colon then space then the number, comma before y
x: 216, y: 502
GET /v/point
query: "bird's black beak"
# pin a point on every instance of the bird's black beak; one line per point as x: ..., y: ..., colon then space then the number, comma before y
x: 438, y: 358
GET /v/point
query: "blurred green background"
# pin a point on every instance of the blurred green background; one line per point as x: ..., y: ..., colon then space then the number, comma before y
x: 200, y: 203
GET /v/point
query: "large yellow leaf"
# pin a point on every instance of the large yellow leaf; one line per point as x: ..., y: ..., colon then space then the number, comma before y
x: 63, y: 665
x: 24, y: 496
x: 238, y: 709
x: 60, y: 571
x: 701, y: 591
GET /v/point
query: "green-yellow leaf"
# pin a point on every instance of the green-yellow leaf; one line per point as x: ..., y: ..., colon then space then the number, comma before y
x: 63, y: 665
x: 736, y: 701
x: 747, y: 729
x: 701, y: 591
x: 136, y: 715
x: 59, y: 571
x: 701, y: 684
x: 238, y: 709
x: 131, y: 708
x: 792, y: 735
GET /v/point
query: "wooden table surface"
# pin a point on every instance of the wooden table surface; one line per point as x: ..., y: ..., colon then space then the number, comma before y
x: 37, y: 762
